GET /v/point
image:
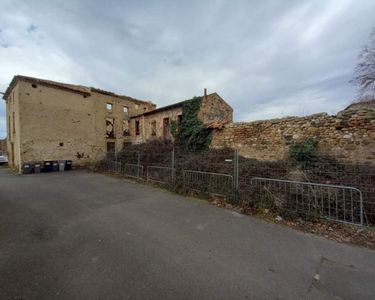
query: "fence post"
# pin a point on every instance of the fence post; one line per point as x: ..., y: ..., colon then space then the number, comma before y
x: 235, y: 175
x: 138, y: 162
x: 173, y: 166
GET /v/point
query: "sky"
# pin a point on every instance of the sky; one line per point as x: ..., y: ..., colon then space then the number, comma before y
x: 267, y: 59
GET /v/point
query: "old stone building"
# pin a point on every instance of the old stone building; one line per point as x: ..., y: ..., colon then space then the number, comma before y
x: 49, y: 120
x: 155, y: 124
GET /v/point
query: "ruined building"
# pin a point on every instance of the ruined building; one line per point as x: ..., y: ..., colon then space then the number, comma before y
x: 49, y: 120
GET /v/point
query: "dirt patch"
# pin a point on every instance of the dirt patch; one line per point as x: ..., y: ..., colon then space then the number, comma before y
x: 343, y: 233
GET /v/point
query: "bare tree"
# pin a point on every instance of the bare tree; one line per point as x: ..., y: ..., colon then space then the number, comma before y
x: 364, y: 72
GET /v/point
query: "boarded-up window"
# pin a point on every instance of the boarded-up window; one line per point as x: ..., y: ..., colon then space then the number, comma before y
x: 125, y: 109
x: 125, y: 128
x: 153, y: 128
x: 110, y: 128
x: 109, y: 106
x: 137, y: 128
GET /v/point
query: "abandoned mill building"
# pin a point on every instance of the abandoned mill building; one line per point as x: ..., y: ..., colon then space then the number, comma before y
x: 48, y: 120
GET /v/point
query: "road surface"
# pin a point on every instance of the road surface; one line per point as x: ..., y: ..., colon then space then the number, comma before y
x: 81, y: 235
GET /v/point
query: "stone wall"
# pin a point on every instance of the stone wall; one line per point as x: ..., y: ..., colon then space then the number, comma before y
x: 215, y: 109
x: 348, y: 136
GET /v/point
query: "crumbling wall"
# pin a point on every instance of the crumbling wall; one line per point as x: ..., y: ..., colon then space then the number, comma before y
x: 13, y: 128
x: 348, y: 136
x: 215, y: 109
x: 146, y: 124
x: 57, y: 124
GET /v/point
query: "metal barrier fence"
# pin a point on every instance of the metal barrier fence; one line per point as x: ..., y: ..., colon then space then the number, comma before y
x: 208, y: 182
x: 114, y: 166
x: 160, y: 174
x: 336, y: 192
x: 132, y: 170
x: 334, y: 202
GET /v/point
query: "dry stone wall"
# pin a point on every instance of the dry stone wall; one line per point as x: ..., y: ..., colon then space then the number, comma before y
x: 348, y: 136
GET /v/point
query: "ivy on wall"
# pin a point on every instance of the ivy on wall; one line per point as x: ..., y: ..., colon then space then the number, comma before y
x: 191, y: 134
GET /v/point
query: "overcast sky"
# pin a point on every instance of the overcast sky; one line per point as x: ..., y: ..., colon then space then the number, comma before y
x: 266, y: 58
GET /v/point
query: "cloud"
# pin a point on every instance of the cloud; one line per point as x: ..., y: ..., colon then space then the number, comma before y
x: 267, y: 60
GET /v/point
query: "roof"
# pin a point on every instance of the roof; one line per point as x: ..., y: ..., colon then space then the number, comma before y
x: 84, y: 90
x: 167, y: 107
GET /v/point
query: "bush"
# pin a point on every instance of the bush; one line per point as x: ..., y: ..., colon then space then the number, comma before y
x: 304, y: 152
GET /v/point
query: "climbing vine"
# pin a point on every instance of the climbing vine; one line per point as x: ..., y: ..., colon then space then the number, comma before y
x: 191, y: 134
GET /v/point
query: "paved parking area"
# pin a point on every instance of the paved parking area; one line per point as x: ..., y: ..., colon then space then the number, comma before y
x: 80, y: 235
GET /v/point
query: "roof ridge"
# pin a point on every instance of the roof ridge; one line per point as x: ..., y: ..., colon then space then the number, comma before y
x: 72, y: 87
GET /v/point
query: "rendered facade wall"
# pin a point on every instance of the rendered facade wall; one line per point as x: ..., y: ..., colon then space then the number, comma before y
x: 54, y: 124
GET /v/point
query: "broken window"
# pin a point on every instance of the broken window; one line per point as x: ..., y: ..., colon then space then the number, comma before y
x: 179, y: 120
x: 125, y: 128
x: 166, y: 129
x: 110, y: 128
x: 137, y: 128
x: 109, y: 106
x: 153, y: 128
x: 125, y: 109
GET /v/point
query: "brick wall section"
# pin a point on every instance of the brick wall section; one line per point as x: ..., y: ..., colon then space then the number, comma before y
x: 348, y: 136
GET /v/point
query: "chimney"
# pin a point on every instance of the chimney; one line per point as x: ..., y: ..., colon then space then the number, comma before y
x: 205, y: 92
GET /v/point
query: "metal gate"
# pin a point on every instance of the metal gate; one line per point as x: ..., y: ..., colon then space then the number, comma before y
x: 208, y: 182
x: 160, y: 174
x: 335, y: 202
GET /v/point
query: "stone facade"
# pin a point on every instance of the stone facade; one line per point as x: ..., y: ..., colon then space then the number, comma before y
x: 156, y: 124
x: 48, y: 120
x: 52, y: 121
x: 348, y: 136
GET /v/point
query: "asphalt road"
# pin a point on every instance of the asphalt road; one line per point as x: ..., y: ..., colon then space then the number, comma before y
x: 79, y: 235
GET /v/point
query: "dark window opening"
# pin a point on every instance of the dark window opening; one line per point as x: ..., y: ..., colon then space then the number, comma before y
x: 34, y: 86
x: 111, y: 150
x: 166, y: 129
x: 61, y: 144
x: 137, y: 128
x: 125, y: 128
x: 153, y: 128
x: 179, y: 120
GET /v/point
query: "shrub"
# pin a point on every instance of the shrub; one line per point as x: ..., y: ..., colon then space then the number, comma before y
x: 304, y: 152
